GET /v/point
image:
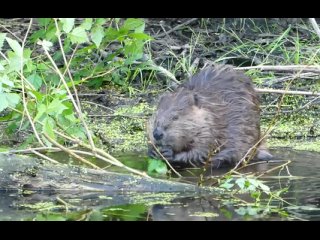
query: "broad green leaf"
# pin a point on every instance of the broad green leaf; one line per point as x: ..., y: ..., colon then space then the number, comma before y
x: 1, y: 67
x: 48, y: 126
x: 97, y: 35
x: 100, y: 21
x: 15, y: 46
x: 67, y: 24
x: 76, y: 132
x: 44, y: 21
x: 140, y: 36
x: 87, y: 24
x: 2, y: 37
x: 111, y: 34
x: 41, y: 110
x: 158, y: 166
x: 56, y: 107
x: 35, y: 80
x: 78, y: 35
x: 134, y: 24
x: 134, y: 50
x: 5, y: 80
x: 37, y: 95
x: 13, y: 99
x: 3, y: 102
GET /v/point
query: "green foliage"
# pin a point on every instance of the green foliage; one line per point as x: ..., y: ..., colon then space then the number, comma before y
x: 118, y: 44
x: 157, y: 166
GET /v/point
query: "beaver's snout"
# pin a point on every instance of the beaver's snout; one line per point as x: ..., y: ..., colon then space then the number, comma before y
x: 157, y: 134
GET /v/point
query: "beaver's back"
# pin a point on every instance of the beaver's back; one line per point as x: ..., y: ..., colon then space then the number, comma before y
x: 229, y: 106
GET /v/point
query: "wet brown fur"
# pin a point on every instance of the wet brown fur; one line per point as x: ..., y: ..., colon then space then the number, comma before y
x: 217, y: 110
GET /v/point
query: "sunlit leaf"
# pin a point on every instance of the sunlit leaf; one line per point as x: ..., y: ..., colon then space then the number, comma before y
x: 56, y: 107
x: 44, y: 21
x: 13, y: 99
x: 137, y: 25
x: 87, y: 24
x: 78, y: 35
x: 157, y: 166
x: 35, y: 80
x: 140, y: 36
x: 67, y: 24
x: 5, y: 80
x: 15, y: 46
x: 3, y: 102
x: 97, y: 35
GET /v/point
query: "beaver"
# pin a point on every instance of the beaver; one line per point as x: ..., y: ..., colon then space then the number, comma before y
x: 214, y: 116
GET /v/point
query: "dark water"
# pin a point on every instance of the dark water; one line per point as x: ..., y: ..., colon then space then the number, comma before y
x: 303, y: 193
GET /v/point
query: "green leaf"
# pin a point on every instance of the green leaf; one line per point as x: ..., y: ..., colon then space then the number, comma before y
x: 97, y: 35
x: 140, y: 36
x: 35, y: 80
x: 48, y: 126
x: 1, y: 67
x: 78, y: 35
x: 37, y: 95
x: 100, y: 21
x: 5, y: 80
x: 87, y: 24
x: 137, y: 25
x: 157, y: 166
x: 41, y: 110
x: 56, y: 107
x: 112, y: 34
x: 3, y: 102
x: 44, y: 21
x: 13, y: 99
x: 2, y: 37
x: 67, y: 24
x: 134, y: 50
x: 8, y: 100
x: 15, y: 46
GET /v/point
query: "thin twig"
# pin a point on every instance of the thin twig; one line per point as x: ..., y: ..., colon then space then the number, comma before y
x: 177, y: 27
x: 288, y: 68
x: 315, y: 26
x: 265, y: 90
x: 19, y: 39
x: 72, y: 99
x: 70, y: 152
x: 67, y: 63
x: 44, y: 156
x: 165, y: 160
x: 24, y: 101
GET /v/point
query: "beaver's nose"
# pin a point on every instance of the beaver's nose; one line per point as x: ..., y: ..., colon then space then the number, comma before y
x: 157, y: 134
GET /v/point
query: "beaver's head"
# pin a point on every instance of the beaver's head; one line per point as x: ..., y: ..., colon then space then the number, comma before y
x: 177, y: 120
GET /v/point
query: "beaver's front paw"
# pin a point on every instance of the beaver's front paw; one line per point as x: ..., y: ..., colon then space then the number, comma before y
x: 226, y: 157
x: 167, y: 153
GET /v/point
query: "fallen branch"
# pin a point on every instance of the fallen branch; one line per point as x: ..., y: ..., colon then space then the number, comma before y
x: 288, y: 68
x: 278, y: 91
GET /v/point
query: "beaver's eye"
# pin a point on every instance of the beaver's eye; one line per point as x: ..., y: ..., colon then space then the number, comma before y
x: 174, y: 118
